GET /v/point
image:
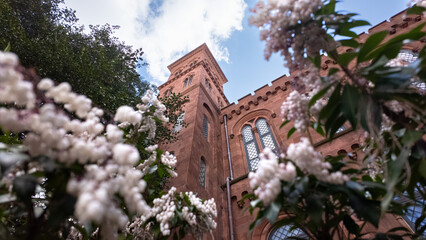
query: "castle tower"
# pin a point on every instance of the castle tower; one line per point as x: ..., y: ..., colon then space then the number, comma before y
x: 198, y: 150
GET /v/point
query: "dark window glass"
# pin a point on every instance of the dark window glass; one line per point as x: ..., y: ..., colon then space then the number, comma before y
x: 202, y: 176
x: 252, y: 150
x: 265, y: 134
x: 205, y: 127
x: 285, y: 232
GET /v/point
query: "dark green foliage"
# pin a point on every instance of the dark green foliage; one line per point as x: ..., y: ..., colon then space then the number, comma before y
x: 362, y: 96
x: 47, y: 37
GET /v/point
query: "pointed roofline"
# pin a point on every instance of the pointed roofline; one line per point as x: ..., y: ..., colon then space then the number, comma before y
x: 202, y: 47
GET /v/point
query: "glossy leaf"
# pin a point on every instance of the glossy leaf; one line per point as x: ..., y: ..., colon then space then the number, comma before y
x: 290, y: 132
x: 372, y: 42
x: 350, y: 101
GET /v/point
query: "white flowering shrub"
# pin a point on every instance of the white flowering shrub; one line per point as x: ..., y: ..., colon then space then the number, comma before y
x: 192, y: 214
x: 370, y: 86
x: 77, y: 174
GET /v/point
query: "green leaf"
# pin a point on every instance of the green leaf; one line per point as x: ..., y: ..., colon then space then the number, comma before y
x: 416, y: 10
x: 318, y: 128
x: 337, y: 123
x: 290, y: 132
x: 332, y: 71
x: 316, y: 60
x: 366, y: 209
x: 372, y: 42
x: 345, y: 58
x: 314, y: 208
x: 411, y: 137
x: 350, y: 224
x: 7, y: 49
x: 358, y: 23
x: 321, y: 93
x: 349, y: 43
x: 284, y: 123
x: 272, y: 211
x: 24, y: 186
x: 346, y: 33
x: 350, y: 101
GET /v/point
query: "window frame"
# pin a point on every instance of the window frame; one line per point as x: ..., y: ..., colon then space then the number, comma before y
x: 252, y: 123
x: 246, y: 143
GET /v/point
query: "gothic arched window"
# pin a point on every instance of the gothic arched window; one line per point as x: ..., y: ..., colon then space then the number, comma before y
x: 185, y: 83
x: 190, y: 80
x: 285, y: 232
x: 265, y: 135
x: 202, y: 176
x: 250, y: 145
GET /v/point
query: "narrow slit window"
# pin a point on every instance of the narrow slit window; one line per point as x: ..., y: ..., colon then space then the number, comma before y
x: 205, y: 127
x: 202, y: 176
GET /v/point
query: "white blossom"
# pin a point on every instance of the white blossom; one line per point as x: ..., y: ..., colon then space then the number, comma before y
x: 168, y: 159
x: 295, y: 108
x: 311, y: 162
x: 127, y: 114
x: 267, y: 179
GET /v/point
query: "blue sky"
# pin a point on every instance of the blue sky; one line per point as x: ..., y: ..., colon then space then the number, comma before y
x: 168, y: 29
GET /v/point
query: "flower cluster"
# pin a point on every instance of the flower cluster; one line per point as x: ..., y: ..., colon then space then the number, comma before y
x: 267, y: 179
x: 109, y: 164
x: 13, y: 88
x: 277, y: 19
x: 295, y: 108
x: 172, y: 207
x: 164, y: 210
x: 311, y: 162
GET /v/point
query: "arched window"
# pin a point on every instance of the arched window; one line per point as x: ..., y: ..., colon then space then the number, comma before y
x: 168, y: 92
x: 205, y: 127
x: 185, y: 83
x: 202, y: 176
x: 285, y: 232
x: 265, y: 134
x: 190, y: 80
x: 250, y: 145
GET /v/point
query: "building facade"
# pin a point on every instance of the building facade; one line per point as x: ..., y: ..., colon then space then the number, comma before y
x: 221, y: 144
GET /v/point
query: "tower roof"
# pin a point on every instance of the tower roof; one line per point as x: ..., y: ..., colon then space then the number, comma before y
x: 202, y: 48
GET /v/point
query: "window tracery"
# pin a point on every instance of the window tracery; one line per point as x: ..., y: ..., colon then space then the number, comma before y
x: 250, y: 141
x: 286, y: 232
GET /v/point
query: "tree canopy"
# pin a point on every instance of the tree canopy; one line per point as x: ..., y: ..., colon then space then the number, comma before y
x: 48, y: 38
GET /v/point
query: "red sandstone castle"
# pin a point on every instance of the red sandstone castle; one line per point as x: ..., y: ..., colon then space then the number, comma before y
x: 221, y: 144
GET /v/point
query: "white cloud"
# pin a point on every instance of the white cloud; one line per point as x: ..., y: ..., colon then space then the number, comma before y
x: 167, y: 29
